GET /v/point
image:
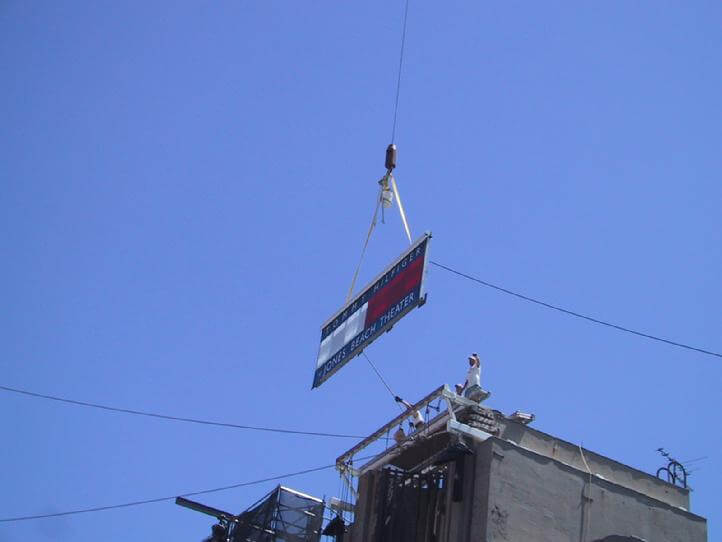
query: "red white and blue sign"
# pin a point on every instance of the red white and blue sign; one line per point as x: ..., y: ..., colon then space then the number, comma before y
x: 389, y: 297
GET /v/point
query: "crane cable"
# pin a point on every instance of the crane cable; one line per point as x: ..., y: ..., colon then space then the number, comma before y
x: 401, y: 65
x: 393, y: 129
x: 388, y: 179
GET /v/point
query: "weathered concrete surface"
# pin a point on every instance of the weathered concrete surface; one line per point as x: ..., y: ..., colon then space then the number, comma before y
x: 613, y: 471
x: 537, y: 499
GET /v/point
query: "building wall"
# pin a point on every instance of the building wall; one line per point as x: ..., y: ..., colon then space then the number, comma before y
x: 508, y: 492
x: 568, y: 453
x: 537, y: 499
x: 365, y: 510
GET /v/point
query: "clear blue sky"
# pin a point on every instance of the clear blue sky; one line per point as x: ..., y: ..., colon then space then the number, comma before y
x: 185, y: 189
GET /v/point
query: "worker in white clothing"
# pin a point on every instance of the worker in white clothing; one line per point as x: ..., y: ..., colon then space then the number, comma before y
x: 418, y: 420
x: 472, y: 387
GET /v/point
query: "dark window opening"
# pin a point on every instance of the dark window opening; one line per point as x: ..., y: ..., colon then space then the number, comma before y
x: 410, y: 506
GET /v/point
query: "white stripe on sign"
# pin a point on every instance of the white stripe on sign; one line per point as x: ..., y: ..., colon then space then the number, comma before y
x: 355, y: 323
x: 342, y: 335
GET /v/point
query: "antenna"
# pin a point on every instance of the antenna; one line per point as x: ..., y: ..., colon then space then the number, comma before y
x: 676, y: 474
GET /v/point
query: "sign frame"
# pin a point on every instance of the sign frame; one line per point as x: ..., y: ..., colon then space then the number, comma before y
x: 357, y: 336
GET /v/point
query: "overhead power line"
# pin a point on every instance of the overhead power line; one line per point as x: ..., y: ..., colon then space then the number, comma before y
x: 161, y: 499
x: 174, y: 418
x: 578, y: 315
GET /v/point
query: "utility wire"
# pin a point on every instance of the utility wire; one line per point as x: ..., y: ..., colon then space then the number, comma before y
x: 174, y: 418
x: 401, y: 64
x: 573, y: 313
x: 161, y: 499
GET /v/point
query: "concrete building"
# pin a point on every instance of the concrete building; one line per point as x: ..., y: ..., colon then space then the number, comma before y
x: 473, y: 474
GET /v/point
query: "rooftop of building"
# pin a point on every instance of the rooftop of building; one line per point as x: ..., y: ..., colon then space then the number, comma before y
x: 422, y: 448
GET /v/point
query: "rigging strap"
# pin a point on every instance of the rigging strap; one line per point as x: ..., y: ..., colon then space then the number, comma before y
x: 401, y: 208
x: 366, y: 244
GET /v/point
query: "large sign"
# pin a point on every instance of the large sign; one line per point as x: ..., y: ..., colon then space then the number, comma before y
x: 392, y: 294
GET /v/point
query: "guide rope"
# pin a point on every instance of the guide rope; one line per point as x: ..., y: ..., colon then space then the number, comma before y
x: 383, y: 381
